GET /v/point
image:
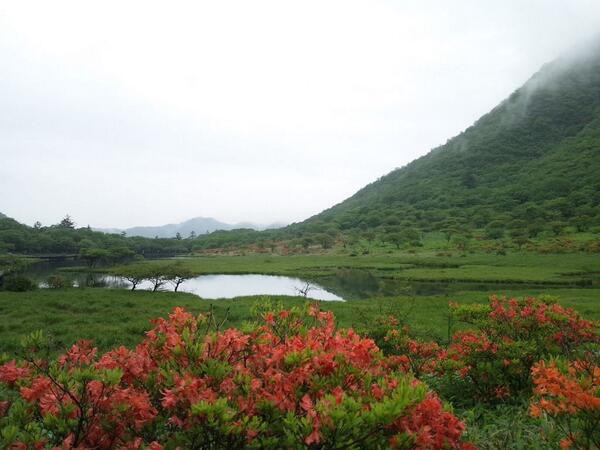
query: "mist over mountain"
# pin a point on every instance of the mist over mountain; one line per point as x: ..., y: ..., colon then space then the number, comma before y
x: 532, y: 161
x: 2, y: 216
x: 196, y: 226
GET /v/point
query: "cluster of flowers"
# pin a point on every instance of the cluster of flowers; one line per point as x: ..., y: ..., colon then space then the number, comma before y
x: 569, y: 392
x: 504, y: 354
x: 512, y: 337
x: 294, y: 382
x: 496, y: 356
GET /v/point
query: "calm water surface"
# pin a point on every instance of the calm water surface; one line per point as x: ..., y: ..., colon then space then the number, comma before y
x: 343, y: 285
x: 229, y: 286
x: 205, y: 286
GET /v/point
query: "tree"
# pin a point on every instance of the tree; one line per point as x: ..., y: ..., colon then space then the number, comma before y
x: 177, y: 275
x: 557, y: 227
x: 156, y: 276
x: 306, y: 243
x: 135, y: 275
x: 325, y: 240
x: 178, y: 236
x: 495, y: 229
x: 449, y: 231
x: 394, y: 238
x: 411, y: 235
x: 67, y: 222
x: 460, y: 242
x: 369, y: 236
x: 120, y: 254
x: 583, y: 223
x: 92, y: 256
x: 520, y: 241
x: 468, y: 180
x: 192, y: 235
x: 304, y: 290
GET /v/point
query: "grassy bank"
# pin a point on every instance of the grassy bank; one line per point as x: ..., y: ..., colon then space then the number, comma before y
x: 114, y: 317
x: 523, y: 268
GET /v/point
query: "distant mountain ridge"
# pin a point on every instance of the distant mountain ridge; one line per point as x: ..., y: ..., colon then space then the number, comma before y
x: 197, y: 225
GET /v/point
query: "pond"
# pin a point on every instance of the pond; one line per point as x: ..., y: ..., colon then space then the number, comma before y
x: 205, y: 286
x: 345, y: 284
x: 229, y: 286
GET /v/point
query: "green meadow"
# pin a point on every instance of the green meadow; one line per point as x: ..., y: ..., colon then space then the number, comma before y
x: 113, y: 317
x: 522, y: 267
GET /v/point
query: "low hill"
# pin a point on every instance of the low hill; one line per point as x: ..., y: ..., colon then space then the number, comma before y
x: 530, y: 164
x: 196, y: 226
x: 65, y: 239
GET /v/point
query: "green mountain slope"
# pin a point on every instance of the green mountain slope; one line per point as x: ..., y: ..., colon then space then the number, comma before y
x: 532, y: 163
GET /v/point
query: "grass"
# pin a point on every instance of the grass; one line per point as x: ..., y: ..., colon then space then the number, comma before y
x: 112, y: 317
x: 115, y: 317
x: 516, y: 267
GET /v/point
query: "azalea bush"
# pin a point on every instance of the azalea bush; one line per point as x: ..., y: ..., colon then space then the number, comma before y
x: 510, y: 336
x: 295, y: 381
x: 569, y: 393
x: 416, y: 356
x: 491, y: 359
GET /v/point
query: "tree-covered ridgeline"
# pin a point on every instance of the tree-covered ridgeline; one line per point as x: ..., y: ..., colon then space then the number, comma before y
x: 524, y: 175
x: 65, y: 238
x: 530, y: 165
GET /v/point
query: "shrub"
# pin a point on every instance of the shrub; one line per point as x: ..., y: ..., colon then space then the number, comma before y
x: 414, y: 355
x: 57, y: 282
x: 569, y: 393
x: 593, y: 246
x: 294, y: 382
x: 16, y: 283
x: 510, y: 336
x: 492, y: 360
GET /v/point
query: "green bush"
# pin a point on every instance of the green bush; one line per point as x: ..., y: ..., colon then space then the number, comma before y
x: 17, y: 283
x: 57, y: 282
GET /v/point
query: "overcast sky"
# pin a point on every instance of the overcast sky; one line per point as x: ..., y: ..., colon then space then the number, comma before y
x: 126, y: 113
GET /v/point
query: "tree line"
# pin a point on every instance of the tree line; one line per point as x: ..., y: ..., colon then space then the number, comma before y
x: 65, y: 238
x: 156, y: 274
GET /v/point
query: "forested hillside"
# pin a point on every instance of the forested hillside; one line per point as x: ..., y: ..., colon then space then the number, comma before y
x: 530, y: 165
x: 65, y: 238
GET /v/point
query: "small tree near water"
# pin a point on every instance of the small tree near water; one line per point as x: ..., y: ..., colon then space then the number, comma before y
x: 304, y: 290
x: 134, y: 275
x: 177, y: 275
x: 156, y: 276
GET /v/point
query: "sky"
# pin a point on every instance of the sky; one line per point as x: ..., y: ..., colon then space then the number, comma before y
x: 144, y: 113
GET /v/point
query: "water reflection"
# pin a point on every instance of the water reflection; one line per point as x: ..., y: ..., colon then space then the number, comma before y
x: 349, y: 284
x: 229, y: 286
x: 205, y: 286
